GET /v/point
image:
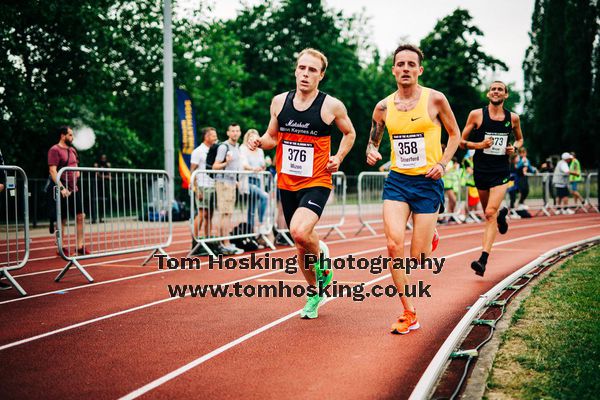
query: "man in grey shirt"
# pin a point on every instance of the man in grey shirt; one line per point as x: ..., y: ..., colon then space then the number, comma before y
x: 228, y: 159
x: 560, y: 180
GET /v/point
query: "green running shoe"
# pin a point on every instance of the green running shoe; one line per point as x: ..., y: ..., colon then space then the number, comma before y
x: 323, y: 273
x: 311, y: 309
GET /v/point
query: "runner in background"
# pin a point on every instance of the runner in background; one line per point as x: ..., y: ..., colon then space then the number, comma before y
x: 488, y: 131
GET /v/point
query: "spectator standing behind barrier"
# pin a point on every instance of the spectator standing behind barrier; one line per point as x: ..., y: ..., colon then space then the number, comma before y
x: 574, y: 178
x: 63, y: 154
x: 280, y: 219
x: 204, y: 189
x: 547, y: 168
x: 100, y: 187
x: 561, y: 182
x: 228, y: 159
x: 524, y: 167
x: 3, y: 286
x: 451, y: 186
x: 255, y: 161
x: 468, y: 182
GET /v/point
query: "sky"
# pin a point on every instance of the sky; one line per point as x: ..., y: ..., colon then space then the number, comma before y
x: 504, y: 23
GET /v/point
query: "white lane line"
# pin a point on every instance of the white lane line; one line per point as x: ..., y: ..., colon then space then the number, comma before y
x: 186, y: 251
x: 88, y: 285
x: 129, y: 310
x: 176, y: 233
x: 174, y: 374
x: 116, y: 280
x: 143, y: 257
x: 116, y: 314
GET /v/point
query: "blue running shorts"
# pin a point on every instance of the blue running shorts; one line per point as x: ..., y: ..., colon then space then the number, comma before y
x: 423, y: 195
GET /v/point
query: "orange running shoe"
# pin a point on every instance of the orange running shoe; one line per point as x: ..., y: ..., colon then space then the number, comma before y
x: 406, y: 323
x: 435, y: 241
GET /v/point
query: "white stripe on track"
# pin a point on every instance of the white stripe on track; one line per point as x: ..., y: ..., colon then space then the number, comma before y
x: 186, y: 251
x: 221, y: 349
x: 180, y: 371
x: 176, y: 233
x: 116, y: 280
x: 143, y: 306
x: 33, y: 296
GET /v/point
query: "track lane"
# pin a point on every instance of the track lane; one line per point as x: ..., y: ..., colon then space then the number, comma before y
x: 76, y: 343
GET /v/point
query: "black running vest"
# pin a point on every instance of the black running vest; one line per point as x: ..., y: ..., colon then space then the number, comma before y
x: 307, y: 122
x: 489, y: 160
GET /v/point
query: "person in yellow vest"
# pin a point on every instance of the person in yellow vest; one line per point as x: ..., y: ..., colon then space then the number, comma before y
x: 451, y: 186
x: 574, y: 178
x: 469, y: 183
x: 413, y: 116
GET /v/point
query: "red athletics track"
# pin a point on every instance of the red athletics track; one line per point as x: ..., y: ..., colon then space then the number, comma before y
x: 124, y: 336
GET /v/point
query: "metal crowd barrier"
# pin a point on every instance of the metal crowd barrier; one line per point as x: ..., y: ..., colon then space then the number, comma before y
x: 370, y: 205
x: 230, y: 205
x: 455, y: 215
x: 334, y: 213
x: 588, y: 191
x: 370, y: 211
x: 591, y: 192
x: 120, y: 211
x: 535, y: 198
x: 14, y: 223
x: 474, y: 215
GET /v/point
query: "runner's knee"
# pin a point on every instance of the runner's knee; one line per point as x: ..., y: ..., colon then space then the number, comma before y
x: 491, y: 213
x: 301, y: 235
x: 395, y: 245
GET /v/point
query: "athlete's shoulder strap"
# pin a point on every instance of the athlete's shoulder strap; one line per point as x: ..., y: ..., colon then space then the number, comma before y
x: 507, y: 115
x: 289, y: 98
x: 319, y: 100
x: 485, y: 110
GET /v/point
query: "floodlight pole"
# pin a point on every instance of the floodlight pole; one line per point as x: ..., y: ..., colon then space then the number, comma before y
x: 168, y: 96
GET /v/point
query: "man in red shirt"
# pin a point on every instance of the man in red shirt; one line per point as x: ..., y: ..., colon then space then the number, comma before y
x: 63, y: 154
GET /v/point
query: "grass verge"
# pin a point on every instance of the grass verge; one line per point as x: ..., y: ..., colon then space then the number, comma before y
x: 552, y: 349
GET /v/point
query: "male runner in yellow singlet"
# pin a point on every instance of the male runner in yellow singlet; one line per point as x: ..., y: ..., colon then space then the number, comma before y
x: 413, y: 115
x: 300, y: 127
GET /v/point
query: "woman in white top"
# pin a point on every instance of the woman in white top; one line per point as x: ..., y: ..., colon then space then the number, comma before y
x: 254, y: 161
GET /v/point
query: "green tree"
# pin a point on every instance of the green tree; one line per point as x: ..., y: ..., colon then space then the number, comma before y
x: 559, y: 88
x: 454, y: 62
x: 272, y: 35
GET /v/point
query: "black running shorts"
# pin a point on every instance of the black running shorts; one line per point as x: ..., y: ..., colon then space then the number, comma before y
x: 487, y: 180
x: 313, y: 198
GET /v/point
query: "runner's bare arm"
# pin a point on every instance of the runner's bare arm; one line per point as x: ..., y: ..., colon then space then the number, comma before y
x: 344, y: 124
x: 516, y: 123
x: 447, y: 118
x: 473, y: 121
x: 376, y: 134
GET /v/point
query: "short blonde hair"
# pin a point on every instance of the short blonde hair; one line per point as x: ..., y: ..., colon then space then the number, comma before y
x: 314, y: 53
x: 248, y: 133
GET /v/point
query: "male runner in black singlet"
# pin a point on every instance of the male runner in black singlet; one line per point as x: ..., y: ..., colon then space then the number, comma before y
x: 487, y: 132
